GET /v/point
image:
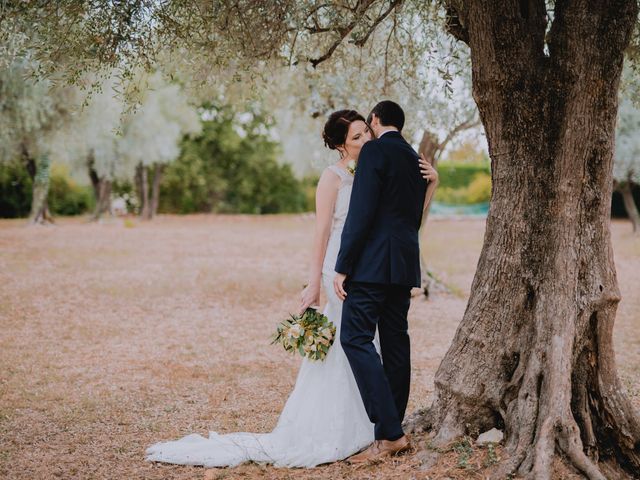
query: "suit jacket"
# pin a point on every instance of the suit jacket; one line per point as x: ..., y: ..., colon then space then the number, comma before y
x: 380, y: 237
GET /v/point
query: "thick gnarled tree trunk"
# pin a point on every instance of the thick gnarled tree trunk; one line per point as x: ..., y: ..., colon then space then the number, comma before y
x: 533, y: 353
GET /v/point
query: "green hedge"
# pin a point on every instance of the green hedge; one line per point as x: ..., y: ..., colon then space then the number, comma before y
x: 15, y: 190
x: 478, y: 191
x: 66, y: 197
x: 460, y: 175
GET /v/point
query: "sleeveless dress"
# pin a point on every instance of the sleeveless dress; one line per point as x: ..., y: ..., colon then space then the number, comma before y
x: 323, y: 420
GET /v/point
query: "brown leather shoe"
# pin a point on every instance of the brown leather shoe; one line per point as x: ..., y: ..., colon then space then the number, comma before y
x: 380, y: 449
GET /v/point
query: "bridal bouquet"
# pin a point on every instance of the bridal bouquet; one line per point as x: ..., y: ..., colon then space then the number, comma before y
x: 310, y: 334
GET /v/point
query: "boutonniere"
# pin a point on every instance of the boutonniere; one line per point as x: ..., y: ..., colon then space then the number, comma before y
x: 351, y: 167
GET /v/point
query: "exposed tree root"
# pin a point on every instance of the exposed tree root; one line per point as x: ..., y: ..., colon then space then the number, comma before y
x: 41, y: 216
x: 555, y: 403
x: 570, y: 443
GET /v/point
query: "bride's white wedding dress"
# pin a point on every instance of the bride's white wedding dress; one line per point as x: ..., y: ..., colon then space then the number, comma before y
x: 323, y: 420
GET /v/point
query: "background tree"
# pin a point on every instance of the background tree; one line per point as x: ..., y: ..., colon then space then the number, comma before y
x: 626, y: 167
x: 231, y: 167
x: 152, y: 135
x: 445, y: 118
x: 90, y: 141
x: 31, y: 111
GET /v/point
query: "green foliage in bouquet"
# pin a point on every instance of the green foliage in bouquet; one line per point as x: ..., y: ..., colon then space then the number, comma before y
x: 310, y: 335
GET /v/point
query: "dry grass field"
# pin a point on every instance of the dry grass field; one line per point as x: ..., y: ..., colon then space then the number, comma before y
x: 120, y: 334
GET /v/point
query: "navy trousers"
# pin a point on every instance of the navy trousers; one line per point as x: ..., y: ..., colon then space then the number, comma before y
x: 383, y: 385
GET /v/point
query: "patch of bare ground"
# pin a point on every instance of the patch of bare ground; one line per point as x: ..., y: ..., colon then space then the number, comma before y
x: 120, y: 334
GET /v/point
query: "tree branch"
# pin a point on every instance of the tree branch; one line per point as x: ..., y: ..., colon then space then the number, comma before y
x: 466, y: 125
x: 456, y: 25
x: 359, y: 11
x: 577, y: 28
x: 362, y: 41
x: 343, y: 33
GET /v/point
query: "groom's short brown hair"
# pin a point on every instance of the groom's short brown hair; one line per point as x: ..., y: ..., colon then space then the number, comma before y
x: 389, y: 113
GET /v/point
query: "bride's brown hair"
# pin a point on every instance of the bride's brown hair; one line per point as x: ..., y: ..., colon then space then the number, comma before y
x: 335, y: 130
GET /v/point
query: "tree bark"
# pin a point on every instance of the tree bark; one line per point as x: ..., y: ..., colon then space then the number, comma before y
x: 155, y: 191
x: 103, y: 200
x: 630, y: 205
x: 541, y: 365
x: 101, y: 191
x: 39, y: 172
x: 93, y: 176
x: 142, y: 181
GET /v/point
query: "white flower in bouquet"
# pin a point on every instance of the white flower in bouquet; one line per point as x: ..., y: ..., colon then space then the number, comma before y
x: 326, y: 333
x: 295, y: 331
x: 351, y: 167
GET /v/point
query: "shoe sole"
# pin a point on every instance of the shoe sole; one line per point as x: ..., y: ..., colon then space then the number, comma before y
x: 398, y: 452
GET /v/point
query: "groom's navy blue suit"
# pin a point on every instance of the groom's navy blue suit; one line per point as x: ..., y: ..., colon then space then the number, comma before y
x: 379, y: 253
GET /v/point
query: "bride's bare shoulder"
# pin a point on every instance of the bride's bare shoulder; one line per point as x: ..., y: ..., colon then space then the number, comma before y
x: 328, y: 184
x: 330, y: 176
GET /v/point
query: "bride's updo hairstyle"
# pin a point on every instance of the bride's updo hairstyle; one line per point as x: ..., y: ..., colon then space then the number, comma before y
x: 335, y: 130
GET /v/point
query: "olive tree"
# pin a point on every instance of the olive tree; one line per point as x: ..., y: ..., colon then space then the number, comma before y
x: 89, y: 141
x: 152, y: 135
x: 31, y: 110
x: 533, y: 353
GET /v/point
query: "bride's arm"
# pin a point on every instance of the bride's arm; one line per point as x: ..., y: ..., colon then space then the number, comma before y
x: 326, y: 194
x: 428, y: 173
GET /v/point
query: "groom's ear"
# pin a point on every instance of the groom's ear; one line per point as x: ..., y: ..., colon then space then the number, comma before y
x: 369, y: 119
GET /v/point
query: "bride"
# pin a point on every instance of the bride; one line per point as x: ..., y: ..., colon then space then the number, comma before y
x: 324, y: 419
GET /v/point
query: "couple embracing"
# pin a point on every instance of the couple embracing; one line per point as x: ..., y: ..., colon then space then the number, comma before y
x: 366, y: 256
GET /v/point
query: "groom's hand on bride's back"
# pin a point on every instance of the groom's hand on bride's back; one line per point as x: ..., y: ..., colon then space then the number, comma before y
x: 338, y: 285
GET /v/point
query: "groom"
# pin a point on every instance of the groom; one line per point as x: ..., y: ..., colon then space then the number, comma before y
x: 378, y: 263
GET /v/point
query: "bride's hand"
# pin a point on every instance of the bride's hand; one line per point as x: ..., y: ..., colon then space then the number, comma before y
x: 428, y: 172
x: 310, y: 296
